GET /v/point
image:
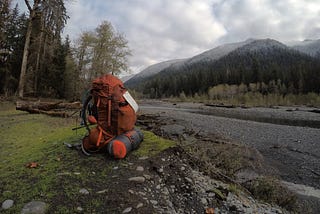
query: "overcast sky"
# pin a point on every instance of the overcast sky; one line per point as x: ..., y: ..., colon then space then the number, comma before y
x: 160, y: 30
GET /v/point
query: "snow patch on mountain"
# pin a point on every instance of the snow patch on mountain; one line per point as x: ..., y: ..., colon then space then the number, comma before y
x: 310, y: 47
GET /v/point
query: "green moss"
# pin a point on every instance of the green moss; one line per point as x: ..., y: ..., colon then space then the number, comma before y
x: 29, y: 138
x: 61, y: 172
x: 218, y: 193
x: 234, y: 189
x: 152, y: 145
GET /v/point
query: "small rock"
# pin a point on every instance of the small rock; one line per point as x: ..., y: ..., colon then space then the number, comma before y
x: 142, y: 193
x: 80, y: 209
x: 165, y: 191
x: 116, y: 167
x: 102, y: 191
x: 204, y: 201
x: 140, y: 168
x: 189, y: 180
x: 77, y: 173
x: 143, y: 158
x: 160, y: 170
x: 154, y: 202
x: 84, y: 191
x: 7, y: 204
x: 138, y: 179
x: 35, y: 207
x: 158, y: 186
x: 163, y: 159
x: 139, y: 205
x: 183, y: 168
x: 148, y: 177
x: 211, y: 194
x: 131, y: 191
x: 127, y: 210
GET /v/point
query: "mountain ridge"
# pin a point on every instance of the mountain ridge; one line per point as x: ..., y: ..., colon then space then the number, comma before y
x: 251, y: 61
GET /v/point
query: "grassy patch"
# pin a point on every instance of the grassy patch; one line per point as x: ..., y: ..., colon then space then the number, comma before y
x: 61, y: 172
x: 152, y: 145
x: 227, y: 158
x: 270, y: 190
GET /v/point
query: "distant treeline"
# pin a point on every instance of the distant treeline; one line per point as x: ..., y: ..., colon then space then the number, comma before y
x: 279, y: 70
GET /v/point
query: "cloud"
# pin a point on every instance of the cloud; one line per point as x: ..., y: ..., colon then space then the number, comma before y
x: 159, y: 30
x: 283, y: 20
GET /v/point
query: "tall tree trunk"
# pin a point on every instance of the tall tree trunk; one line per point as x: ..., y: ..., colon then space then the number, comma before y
x: 40, y: 48
x: 22, y: 79
x: 24, y: 64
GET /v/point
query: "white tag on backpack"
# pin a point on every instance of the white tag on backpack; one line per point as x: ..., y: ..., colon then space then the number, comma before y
x: 127, y: 96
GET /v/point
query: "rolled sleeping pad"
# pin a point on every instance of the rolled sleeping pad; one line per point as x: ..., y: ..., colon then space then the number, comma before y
x: 121, y: 145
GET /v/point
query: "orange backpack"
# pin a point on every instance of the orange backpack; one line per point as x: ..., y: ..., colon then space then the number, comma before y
x: 107, y: 107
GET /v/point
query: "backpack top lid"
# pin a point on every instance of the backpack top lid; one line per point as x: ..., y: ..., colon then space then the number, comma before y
x: 103, y: 86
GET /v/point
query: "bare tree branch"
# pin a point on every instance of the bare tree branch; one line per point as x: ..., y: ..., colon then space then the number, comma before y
x: 28, y: 5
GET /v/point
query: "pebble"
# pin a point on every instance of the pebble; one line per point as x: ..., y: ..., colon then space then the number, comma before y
x: 140, y: 168
x: 160, y: 170
x: 7, y: 204
x: 84, y: 191
x: 127, y: 210
x: 165, y: 191
x: 189, y: 180
x: 138, y: 179
x: 169, y: 203
x: 183, y: 168
x: 211, y: 194
x: 204, y: 201
x: 139, y: 205
x: 131, y: 191
x: 102, y: 191
x: 80, y: 209
x: 142, y: 193
x: 34, y: 207
x: 143, y: 158
x: 154, y: 202
x: 148, y: 177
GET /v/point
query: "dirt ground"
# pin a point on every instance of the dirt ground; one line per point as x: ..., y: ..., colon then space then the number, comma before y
x: 192, y: 173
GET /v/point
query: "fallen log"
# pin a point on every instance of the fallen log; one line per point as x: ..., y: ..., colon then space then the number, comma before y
x: 220, y: 105
x: 55, y: 109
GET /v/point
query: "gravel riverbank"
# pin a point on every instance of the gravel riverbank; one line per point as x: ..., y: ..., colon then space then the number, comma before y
x: 293, y: 150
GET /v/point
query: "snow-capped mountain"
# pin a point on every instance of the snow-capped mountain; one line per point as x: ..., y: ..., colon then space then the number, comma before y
x: 264, y: 48
x: 218, y: 52
x: 310, y: 47
x: 152, y: 70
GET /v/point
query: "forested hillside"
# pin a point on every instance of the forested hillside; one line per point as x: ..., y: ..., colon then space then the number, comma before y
x: 264, y: 66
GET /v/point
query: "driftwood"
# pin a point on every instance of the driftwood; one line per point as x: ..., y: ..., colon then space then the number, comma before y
x: 220, y: 105
x: 55, y: 109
